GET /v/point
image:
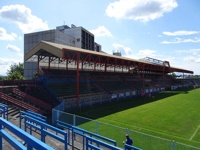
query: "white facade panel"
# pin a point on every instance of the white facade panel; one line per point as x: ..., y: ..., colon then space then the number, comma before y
x: 61, y: 35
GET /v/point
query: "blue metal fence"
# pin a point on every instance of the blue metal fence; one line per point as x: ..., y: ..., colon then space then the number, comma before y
x: 31, y: 114
x: 131, y: 147
x: 86, y: 136
x: 45, y: 129
x: 4, y: 111
x: 31, y: 141
x: 92, y: 141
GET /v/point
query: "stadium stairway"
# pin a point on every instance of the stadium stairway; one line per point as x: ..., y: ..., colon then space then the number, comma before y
x: 17, y: 103
x: 30, y: 99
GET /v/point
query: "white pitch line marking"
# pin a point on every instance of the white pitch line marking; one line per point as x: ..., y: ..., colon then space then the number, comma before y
x: 194, y: 133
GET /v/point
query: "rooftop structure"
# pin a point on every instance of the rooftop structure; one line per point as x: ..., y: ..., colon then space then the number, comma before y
x: 74, y: 36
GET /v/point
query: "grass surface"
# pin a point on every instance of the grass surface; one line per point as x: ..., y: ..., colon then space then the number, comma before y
x: 173, y: 115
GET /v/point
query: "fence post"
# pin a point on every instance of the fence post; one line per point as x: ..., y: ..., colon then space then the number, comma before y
x: 42, y: 134
x: 20, y: 119
x: 127, y: 131
x: 25, y: 124
x: 1, y: 138
x: 53, y: 116
x: 74, y: 120
x: 173, y: 145
x: 97, y: 123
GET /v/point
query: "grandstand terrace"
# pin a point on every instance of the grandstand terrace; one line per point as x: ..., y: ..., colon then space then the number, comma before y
x: 74, y: 73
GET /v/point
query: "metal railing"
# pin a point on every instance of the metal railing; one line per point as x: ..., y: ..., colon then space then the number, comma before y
x: 4, y: 111
x: 31, y: 141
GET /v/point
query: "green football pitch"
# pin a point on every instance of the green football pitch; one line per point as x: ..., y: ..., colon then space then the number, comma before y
x: 172, y: 115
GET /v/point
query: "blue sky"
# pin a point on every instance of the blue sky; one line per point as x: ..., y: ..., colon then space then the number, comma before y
x: 161, y: 29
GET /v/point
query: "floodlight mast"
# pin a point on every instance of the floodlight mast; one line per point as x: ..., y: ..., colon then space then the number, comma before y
x: 165, y: 64
x: 152, y: 60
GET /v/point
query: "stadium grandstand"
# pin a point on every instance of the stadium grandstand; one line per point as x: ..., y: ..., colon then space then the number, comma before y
x: 74, y: 73
x: 69, y: 78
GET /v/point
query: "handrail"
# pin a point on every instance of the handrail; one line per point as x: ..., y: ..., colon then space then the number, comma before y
x: 95, y: 135
x: 43, y: 128
x: 15, y: 82
x: 38, y: 115
x: 94, y: 147
x: 19, y: 103
x: 126, y: 146
x: 31, y: 141
x: 32, y: 99
x: 30, y: 114
x: 90, y: 139
x: 4, y: 111
x: 82, y: 132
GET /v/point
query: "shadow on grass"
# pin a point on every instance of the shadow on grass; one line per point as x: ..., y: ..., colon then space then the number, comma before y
x: 115, y: 106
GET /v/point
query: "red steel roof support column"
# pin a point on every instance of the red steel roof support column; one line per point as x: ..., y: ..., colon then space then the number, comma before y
x: 38, y: 64
x: 77, y: 77
x: 67, y: 64
x: 122, y: 65
x: 105, y: 69
x: 143, y: 75
x: 49, y: 63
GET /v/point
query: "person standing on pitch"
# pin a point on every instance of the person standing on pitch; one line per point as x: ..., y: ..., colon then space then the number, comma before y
x: 128, y: 141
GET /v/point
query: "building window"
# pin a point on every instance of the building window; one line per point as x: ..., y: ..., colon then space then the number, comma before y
x: 39, y: 37
x: 78, y: 40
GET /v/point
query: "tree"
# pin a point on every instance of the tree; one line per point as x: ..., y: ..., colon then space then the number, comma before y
x: 16, y: 67
x: 16, y: 72
x: 16, y: 75
x: 174, y: 75
x: 2, y: 78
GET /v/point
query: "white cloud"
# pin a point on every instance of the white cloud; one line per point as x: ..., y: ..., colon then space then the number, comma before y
x: 13, y: 48
x: 190, y: 51
x: 5, y: 36
x: 20, y: 38
x: 101, y: 31
x: 21, y: 55
x: 125, y: 51
x: 145, y: 53
x: 180, y: 33
x: 142, y: 10
x: 189, y: 59
x: 195, y: 51
x: 140, y: 54
x: 128, y: 52
x: 5, y: 64
x: 195, y: 59
x: 5, y: 61
x: 179, y: 40
x: 181, y: 51
x: 193, y: 55
x: 23, y: 17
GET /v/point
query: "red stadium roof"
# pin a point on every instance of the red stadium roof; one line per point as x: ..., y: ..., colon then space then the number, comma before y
x: 64, y: 53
